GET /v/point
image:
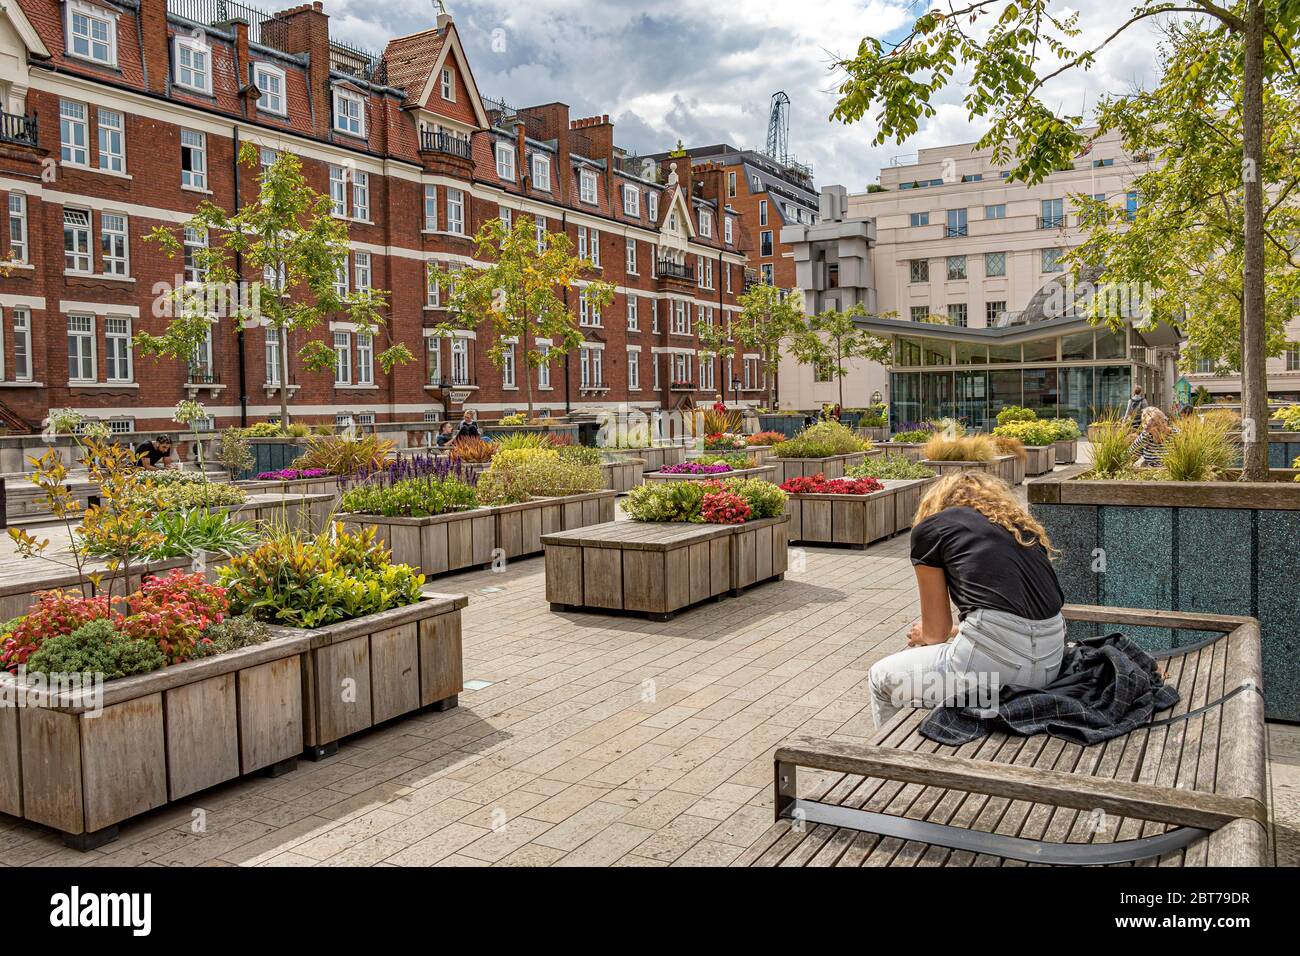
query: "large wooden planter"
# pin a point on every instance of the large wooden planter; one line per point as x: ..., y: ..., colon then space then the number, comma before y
x: 1283, y: 448
x: 657, y: 569
x: 82, y: 765
x: 21, y: 584
x: 1039, y: 459
x: 367, y: 671
x: 1067, y: 452
x: 654, y: 457
x: 873, y: 433
x: 435, y: 545
x: 622, y: 475
x: 766, y: 472
x: 329, y: 485
x: 855, y: 520
x: 1220, y: 547
x: 305, y: 512
x: 912, y: 450
x: 834, y: 467
x: 519, y: 527
x: 787, y: 425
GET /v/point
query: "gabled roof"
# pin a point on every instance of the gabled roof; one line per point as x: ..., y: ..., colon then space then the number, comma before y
x: 416, y: 61
x: 26, y: 32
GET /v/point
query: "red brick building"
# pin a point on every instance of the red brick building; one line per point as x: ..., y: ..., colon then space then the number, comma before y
x: 122, y: 115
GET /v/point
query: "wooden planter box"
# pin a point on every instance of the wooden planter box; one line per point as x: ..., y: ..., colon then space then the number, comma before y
x: 24, y: 581
x: 307, y: 512
x: 361, y: 673
x: 654, y: 457
x: 766, y: 472
x: 1220, y: 547
x: 873, y: 433
x: 834, y: 467
x: 787, y: 425
x: 623, y: 475
x: 912, y: 450
x: 1039, y: 459
x: 82, y: 765
x: 656, y: 569
x: 1067, y: 452
x: 519, y: 528
x: 329, y: 485
x: 856, y: 520
x: 435, y: 545
x: 1007, y: 467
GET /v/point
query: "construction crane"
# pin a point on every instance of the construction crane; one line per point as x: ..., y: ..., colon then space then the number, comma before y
x: 778, y: 128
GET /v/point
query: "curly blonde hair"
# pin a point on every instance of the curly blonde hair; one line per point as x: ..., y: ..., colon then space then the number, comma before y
x: 991, y: 497
x: 1156, y: 422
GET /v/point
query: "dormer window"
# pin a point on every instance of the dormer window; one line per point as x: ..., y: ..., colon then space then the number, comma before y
x: 193, y: 64
x: 587, y: 186
x: 269, y: 80
x: 505, y: 162
x: 448, y: 86
x: 542, y: 172
x: 349, y: 113
x: 632, y: 201
x: 652, y: 206
x: 706, y: 224
x: 92, y: 33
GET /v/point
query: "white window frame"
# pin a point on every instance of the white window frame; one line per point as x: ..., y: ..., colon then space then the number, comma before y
x: 631, y: 256
x: 432, y: 291
x: 430, y: 207
x: 631, y: 200
x: 447, y: 85
x: 271, y: 355
x: 633, y: 371
x: 652, y: 206
x: 633, y: 314
x: 342, y: 280
x: 505, y: 160
x: 592, y: 367
x: 80, y: 258
x: 507, y: 217
x: 365, y: 358
x: 117, y: 338
x: 728, y: 230
x: 342, y: 358
x: 199, y: 241
x: 706, y: 224
x: 544, y: 367
x: 21, y: 320
x: 587, y: 187
x: 196, y: 74
x: 593, y: 246
x: 460, y: 360
x: 196, y: 177
x: 83, y: 335
x: 541, y: 172
x: 91, y: 14
x: 349, y: 121
x: 338, y: 192
x: 456, y: 211
x: 361, y: 195
x: 115, y: 243
x: 110, y: 126
x: 433, y: 359
x: 508, y: 367
x: 18, y: 241
x: 361, y: 271
x: 74, y: 135
x: 539, y: 229
x: 270, y: 101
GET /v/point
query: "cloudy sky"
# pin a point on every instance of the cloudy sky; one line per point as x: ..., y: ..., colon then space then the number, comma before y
x: 704, y: 71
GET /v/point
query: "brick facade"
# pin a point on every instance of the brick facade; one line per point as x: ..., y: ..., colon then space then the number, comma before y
x: 422, y: 138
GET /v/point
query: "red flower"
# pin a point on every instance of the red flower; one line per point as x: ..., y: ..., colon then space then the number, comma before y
x: 724, y: 507
x: 821, y: 485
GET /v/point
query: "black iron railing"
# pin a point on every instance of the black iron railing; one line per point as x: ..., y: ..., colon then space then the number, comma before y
x: 16, y: 128
x: 668, y: 269
x: 203, y: 376
x: 440, y: 141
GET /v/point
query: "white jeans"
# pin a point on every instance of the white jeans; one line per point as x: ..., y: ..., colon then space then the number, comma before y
x: 992, y: 648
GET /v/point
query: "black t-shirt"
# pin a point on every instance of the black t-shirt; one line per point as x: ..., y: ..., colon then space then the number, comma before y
x: 150, y: 451
x: 468, y: 429
x: 986, y: 567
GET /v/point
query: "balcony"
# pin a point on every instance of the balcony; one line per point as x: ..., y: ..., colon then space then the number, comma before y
x: 17, y: 129
x: 1051, y: 222
x: 681, y: 386
x: 668, y: 269
x: 440, y: 141
x: 955, y: 232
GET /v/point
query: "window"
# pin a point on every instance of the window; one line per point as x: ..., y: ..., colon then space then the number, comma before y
x: 919, y: 313
x: 506, y: 217
x: 634, y: 367
x: 112, y: 151
x: 361, y: 196
x: 456, y: 211
x: 918, y: 270
x: 768, y: 272
x: 72, y: 133
x: 731, y: 184
x: 341, y: 278
x: 540, y: 227
x: 1053, y: 214
x: 995, y: 264
x: 194, y: 160
x: 654, y: 365
x: 448, y: 86
x: 91, y: 34
x: 681, y: 368
x: 993, y: 313
x: 1052, y: 260
x: 17, y: 227
x: 823, y: 372
x: 338, y: 192
x: 76, y: 240
x: 544, y: 369
x: 956, y: 267
x: 194, y: 241
x: 728, y: 231
x: 706, y: 224
x: 508, y: 367
x: 652, y: 206
x: 920, y: 219
x: 1102, y: 163
x: 957, y: 313
x: 587, y: 185
x: 342, y: 358
x: 365, y: 358
x: 433, y: 359
x: 1130, y: 205
x: 460, y: 361
x: 631, y: 256
x: 349, y: 113
x: 201, y: 369
x: 765, y: 243
x: 193, y: 64
x: 81, y: 348
x: 956, y: 225
x: 1205, y: 366
x: 542, y: 172
x: 430, y: 208
x: 272, y: 352
x: 117, y: 349
x: 432, y: 291
x: 633, y: 320
x: 269, y: 80
x: 588, y: 312
x: 113, y: 244
x: 762, y: 212
x: 22, y: 345
x: 755, y: 184
x: 752, y: 378
x: 996, y: 212
x: 632, y: 201
x: 1293, y: 360
x: 708, y: 273
x: 592, y: 367
x: 681, y: 324
x: 708, y: 370
x: 361, y: 270
x: 505, y: 161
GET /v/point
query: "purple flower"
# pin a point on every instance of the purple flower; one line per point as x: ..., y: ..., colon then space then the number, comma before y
x: 694, y: 468
x: 293, y: 474
x: 437, y: 467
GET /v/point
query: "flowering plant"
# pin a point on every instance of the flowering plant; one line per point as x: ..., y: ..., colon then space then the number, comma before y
x: 819, y: 484
x: 724, y: 440
x: 766, y: 438
x: 695, y: 468
x: 724, y: 507
x: 293, y: 474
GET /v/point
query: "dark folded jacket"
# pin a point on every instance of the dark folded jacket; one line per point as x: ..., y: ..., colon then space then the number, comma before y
x: 1107, y: 686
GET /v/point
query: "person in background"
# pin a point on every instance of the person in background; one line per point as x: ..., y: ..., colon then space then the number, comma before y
x: 973, y: 544
x: 445, y: 434
x: 1149, y: 445
x: 155, y: 454
x: 836, y: 412
x: 1135, y: 405
x: 468, y: 425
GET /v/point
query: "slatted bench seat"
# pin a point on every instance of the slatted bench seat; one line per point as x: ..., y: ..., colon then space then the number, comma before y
x: 1187, y: 789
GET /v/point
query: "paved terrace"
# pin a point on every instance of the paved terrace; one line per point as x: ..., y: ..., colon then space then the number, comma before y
x: 597, y: 740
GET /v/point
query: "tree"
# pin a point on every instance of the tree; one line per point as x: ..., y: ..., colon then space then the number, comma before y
x: 521, y: 294
x: 768, y: 320
x: 290, y: 239
x: 1004, y: 43
x: 717, y: 341
x: 834, y: 339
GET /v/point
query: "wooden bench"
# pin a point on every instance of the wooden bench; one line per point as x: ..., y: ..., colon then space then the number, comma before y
x: 1187, y: 789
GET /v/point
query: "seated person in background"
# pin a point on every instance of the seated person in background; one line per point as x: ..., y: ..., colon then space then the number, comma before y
x: 445, y: 434
x: 1149, y: 445
x: 468, y: 425
x: 155, y: 454
x: 974, y: 543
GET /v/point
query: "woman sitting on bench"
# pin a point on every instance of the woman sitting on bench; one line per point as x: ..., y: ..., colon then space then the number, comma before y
x: 972, y: 541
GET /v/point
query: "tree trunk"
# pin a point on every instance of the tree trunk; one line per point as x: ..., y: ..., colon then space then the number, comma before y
x: 1254, y: 381
x: 839, y: 368
x: 284, y: 377
x: 528, y: 376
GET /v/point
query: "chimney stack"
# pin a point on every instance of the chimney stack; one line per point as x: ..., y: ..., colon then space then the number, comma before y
x: 551, y: 122
x: 306, y: 29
